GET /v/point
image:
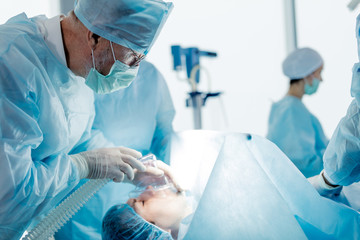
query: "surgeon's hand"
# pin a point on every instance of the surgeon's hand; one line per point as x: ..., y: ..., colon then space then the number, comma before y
x: 324, y: 189
x: 161, y: 169
x: 168, y: 172
x: 113, y: 163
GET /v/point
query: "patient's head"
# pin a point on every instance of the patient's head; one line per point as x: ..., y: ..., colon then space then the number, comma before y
x: 163, y: 208
x: 121, y: 222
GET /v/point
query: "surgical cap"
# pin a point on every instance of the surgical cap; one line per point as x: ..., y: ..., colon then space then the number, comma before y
x: 301, y: 63
x: 121, y: 222
x: 133, y: 24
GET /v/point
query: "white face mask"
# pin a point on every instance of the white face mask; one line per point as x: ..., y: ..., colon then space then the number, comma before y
x: 120, y: 76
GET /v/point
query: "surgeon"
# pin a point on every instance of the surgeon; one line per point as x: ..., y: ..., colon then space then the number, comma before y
x: 342, y: 156
x: 49, y: 71
x: 139, y: 117
x: 296, y: 131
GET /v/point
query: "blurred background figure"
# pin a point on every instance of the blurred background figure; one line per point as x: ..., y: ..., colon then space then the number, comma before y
x: 296, y: 131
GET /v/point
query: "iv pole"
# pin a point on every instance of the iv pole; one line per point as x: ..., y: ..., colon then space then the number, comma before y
x: 196, y: 98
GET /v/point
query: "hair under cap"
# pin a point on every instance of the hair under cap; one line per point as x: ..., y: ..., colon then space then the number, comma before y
x: 133, y: 24
x: 121, y: 222
x: 301, y: 63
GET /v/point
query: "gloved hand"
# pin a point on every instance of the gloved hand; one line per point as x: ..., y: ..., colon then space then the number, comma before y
x: 161, y: 169
x: 113, y: 163
x: 324, y: 189
x: 168, y: 172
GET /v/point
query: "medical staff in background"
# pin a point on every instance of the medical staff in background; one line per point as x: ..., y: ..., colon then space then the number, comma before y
x: 296, y: 131
x: 49, y: 70
x: 139, y: 117
x: 342, y: 156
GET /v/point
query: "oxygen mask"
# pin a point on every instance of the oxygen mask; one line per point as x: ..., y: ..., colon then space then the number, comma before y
x: 146, y: 182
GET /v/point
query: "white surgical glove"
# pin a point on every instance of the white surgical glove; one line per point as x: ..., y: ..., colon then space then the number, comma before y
x: 113, y: 163
x: 160, y: 170
x: 322, y: 187
x: 169, y: 173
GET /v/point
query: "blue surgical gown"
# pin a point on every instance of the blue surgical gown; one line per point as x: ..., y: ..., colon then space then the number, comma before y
x: 139, y: 117
x: 342, y: 156
x: 298, y: 133
x: 45, y: 112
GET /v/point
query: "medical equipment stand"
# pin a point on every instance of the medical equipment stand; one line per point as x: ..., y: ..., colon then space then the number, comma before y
x: 196, y: 99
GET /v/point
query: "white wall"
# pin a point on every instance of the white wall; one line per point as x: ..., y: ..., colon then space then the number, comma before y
x: 31, y: 8
x: 249, y: 39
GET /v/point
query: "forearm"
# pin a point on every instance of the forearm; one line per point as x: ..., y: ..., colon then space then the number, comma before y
x: 31, y: 188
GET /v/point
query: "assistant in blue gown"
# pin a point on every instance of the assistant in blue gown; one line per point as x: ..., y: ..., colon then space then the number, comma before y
x: 341, y: 158
x: 296, y: 131
x: 139, y: 117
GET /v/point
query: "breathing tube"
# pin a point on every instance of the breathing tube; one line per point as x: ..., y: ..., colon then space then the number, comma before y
x: 57, y: 217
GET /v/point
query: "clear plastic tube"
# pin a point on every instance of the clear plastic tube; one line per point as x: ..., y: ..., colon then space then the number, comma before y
x: 48, y: 226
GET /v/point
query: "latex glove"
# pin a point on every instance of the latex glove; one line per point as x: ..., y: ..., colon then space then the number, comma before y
x: 168, y: 172
x: 113, y: 163
x: 323, y: 188
x: 161, y: 169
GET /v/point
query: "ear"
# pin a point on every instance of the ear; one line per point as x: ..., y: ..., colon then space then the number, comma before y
x: 92, y: 39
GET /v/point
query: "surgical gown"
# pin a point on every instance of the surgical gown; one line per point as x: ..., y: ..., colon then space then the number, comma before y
x: 139, y: 117
x: 45, y: 112
x: 298, y: 133
x: 342, y: 157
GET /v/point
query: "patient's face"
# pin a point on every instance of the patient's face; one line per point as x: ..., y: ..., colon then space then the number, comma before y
x: 164, y: 208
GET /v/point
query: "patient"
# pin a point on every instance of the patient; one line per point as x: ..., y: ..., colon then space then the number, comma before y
x: 146, y: 216
x: 121, y: 222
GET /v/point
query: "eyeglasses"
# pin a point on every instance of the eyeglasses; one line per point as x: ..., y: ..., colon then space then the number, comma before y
x: 137, y: 58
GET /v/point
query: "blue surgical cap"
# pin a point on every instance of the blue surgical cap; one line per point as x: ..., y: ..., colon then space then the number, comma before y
x: 301, y: 63
x: 133, y: 24
x: 121, y: 222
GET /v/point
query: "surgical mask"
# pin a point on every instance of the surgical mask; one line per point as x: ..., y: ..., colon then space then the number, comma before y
x: 120, y: 76
x: 311, y: 89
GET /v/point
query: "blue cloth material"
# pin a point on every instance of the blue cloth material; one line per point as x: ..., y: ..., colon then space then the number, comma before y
x: 301, y: 63
x: 138, y: 117
x: 256, y: 190
x: 298, y: 133
x: 45, y: 112
x: 342, y: 157
x: 121, y: 222
x: 133, y: 24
